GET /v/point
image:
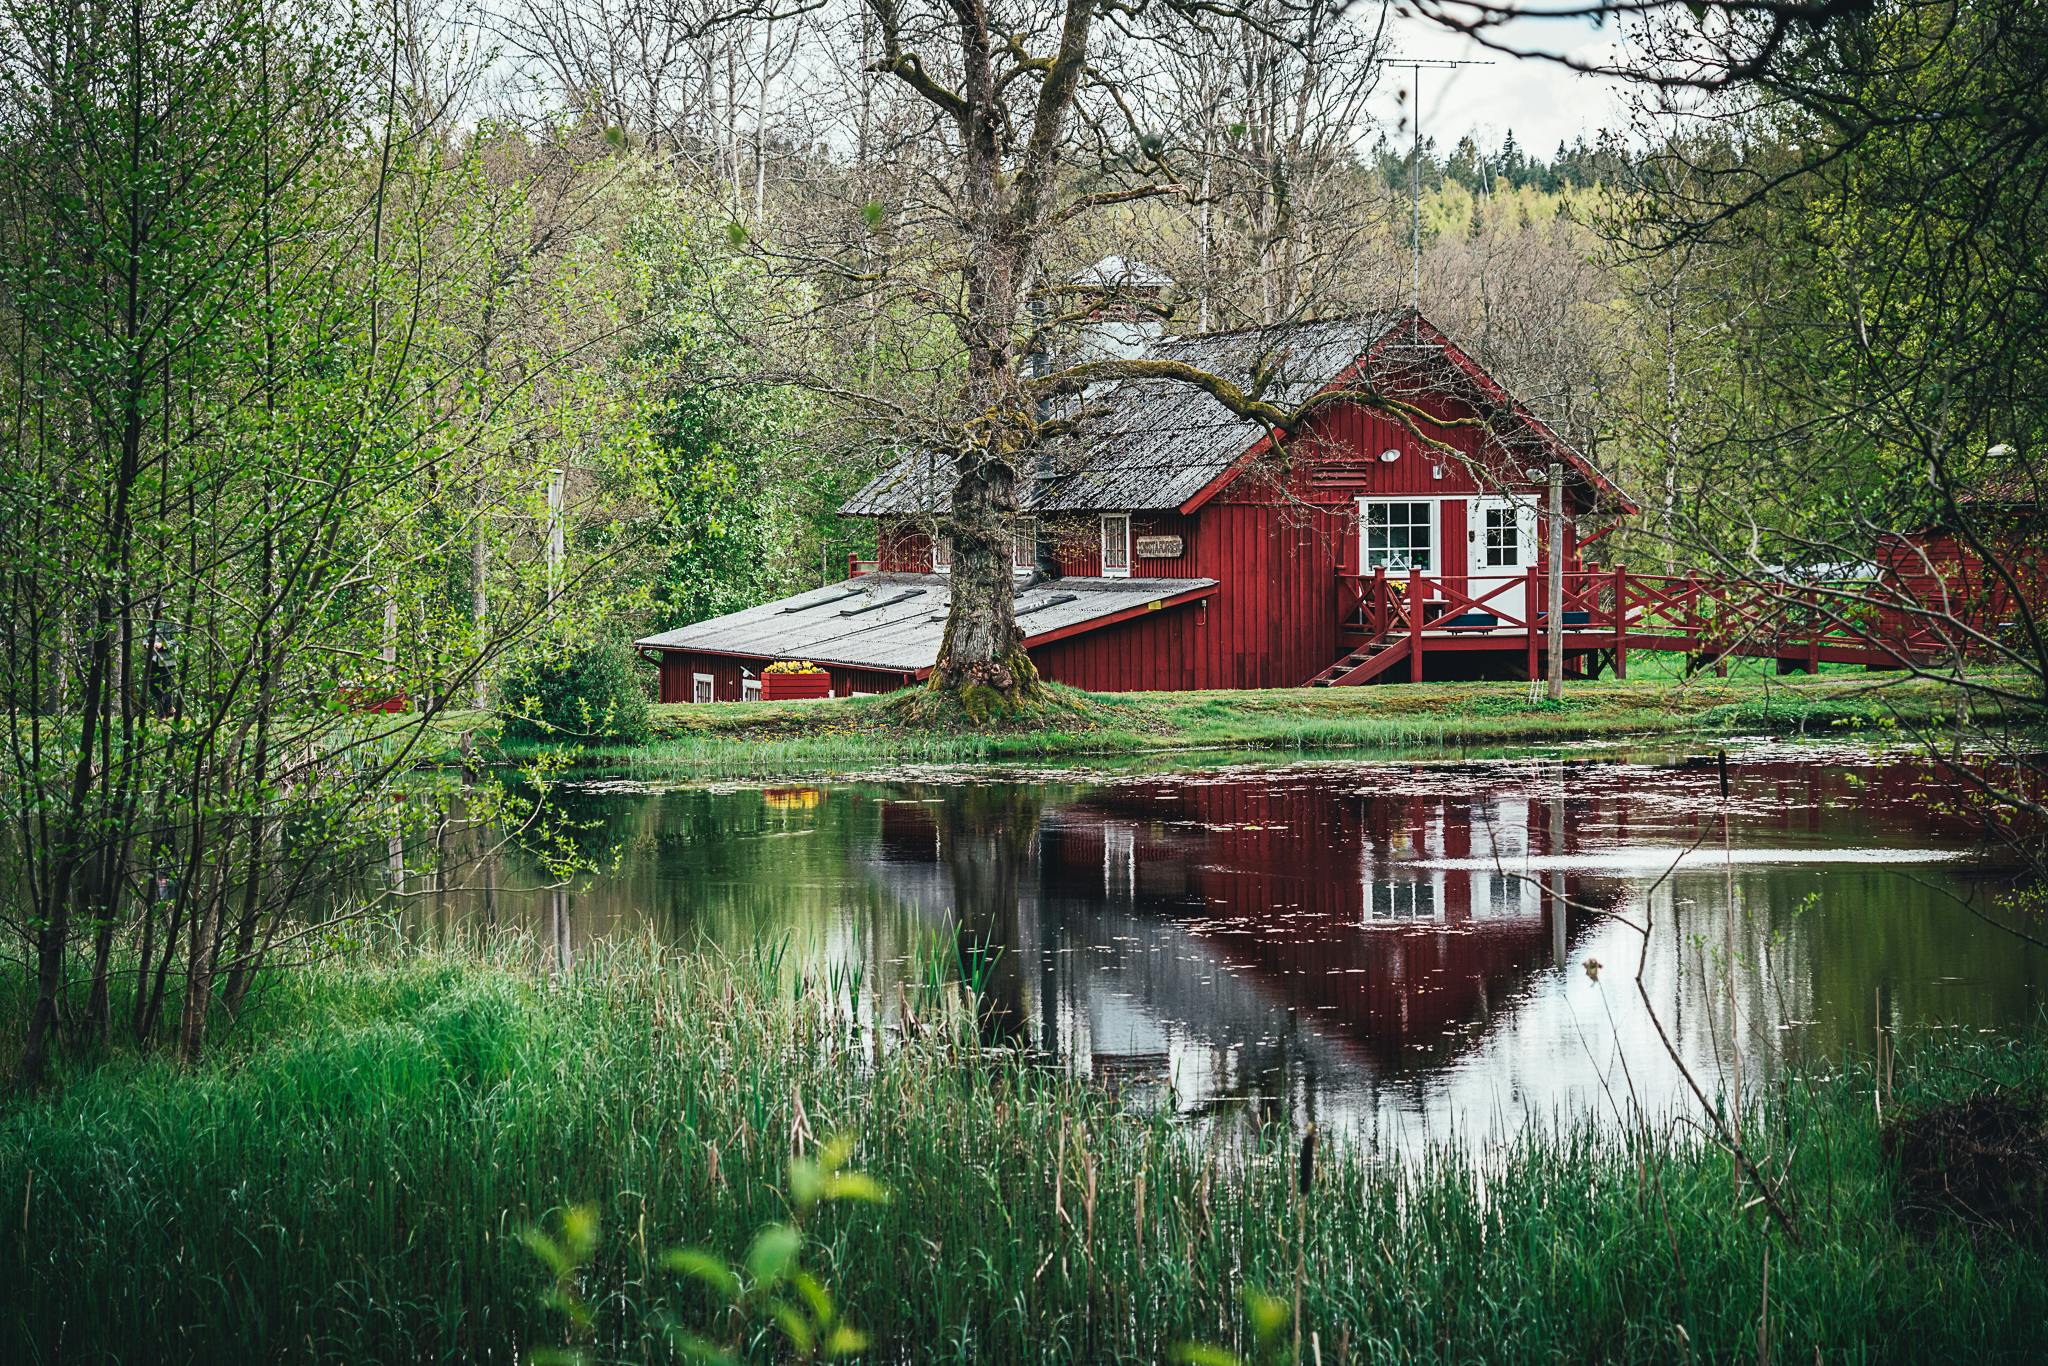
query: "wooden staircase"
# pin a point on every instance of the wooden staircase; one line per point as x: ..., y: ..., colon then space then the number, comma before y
x: 1365, y: 663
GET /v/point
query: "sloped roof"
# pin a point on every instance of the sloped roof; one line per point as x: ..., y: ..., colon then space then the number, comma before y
x: 894, y: 622
x: 1155, y: 443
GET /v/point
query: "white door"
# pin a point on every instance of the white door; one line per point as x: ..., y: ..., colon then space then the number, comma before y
x: 1500, y: 538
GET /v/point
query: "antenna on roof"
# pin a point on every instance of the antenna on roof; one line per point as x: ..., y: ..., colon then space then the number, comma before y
x: 1415, y: 66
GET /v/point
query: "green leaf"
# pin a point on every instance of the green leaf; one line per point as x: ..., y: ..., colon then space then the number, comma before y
x: 579, y: 1231
x: 1201, y: 1354
x: 856, y: 1186
x: 845, y: 1341
x: 837, y: 1149
x: 872, y: 212
x: 796, y: 1328
x: 815, y: 1296
x: 806, y: 1183
x: 1269, y: 1313
x: 547, y: 1250
x: 775, y: 1247
x: 702, y: 1266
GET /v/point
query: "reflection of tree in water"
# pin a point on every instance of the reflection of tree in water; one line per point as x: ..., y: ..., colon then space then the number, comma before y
x: 988, y: 840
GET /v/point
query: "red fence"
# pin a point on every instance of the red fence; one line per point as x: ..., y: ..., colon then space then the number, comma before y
x: 1404, y: 617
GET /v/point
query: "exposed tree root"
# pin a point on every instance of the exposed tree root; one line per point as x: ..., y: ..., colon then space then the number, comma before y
x: 979, y: 706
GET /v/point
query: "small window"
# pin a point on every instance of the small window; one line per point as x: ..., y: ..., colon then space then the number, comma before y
x: 1503, y: 537
x: 1116, y: 546
x: 750, y: 690
x: 1024, y: 544
x: 942, y: 554
x: 1397, y: 535
x: 700, y: 687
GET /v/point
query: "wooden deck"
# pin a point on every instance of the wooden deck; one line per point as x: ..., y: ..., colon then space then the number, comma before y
x: 1606, y: 614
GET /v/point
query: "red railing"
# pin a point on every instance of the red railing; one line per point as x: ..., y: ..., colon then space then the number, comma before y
x: 856, y: 566
x: 1613, y: 609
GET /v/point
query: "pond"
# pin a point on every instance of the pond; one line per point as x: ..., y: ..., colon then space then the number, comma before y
x: 1409, y: 951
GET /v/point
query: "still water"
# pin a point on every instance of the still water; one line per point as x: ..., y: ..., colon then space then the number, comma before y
x: 1410, y: 951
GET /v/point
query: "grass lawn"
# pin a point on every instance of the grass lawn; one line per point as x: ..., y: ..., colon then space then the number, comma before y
x: 778, y: 738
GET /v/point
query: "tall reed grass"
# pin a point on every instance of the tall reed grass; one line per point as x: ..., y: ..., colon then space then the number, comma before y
x: 354, y: 1183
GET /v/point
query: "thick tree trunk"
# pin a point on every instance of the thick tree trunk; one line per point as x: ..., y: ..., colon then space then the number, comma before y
x: 981, y: 659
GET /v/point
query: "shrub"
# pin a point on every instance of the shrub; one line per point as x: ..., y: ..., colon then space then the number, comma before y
x: 584, y: 693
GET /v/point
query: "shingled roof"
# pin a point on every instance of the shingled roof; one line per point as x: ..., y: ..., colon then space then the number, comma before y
x: 1156, y: 443
x: 894, y: 622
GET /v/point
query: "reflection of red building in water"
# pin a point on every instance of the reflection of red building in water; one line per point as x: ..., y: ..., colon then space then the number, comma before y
x: 1323, y: 915
x: 1348, y: 911
x: 1398, y: 922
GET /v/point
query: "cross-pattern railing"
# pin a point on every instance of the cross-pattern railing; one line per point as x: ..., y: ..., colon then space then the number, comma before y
x: 1615, y: 610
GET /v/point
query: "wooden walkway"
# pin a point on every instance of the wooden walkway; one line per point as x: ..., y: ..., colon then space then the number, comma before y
x: 1606, y: 614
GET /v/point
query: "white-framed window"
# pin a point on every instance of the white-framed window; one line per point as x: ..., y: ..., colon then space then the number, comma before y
x: 1503, y: 535
x: 942, y: 554
x: 1401, y: 897
x: 1398, y: 533
x: 700, y: 687
x: 750, y: 690
x: 1116, y: 545
x: 1024, y: 544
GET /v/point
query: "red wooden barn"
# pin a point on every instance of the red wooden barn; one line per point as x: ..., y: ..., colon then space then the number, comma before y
x: 1942, y: 583
x: 1173, y: 546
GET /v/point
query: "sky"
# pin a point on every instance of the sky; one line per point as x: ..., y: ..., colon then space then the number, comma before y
x: 1543, y: 102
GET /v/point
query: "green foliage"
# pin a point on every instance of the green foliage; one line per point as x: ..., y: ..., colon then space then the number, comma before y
x: 350, y: 1184
x: 770, y: 1290
x: 580, y: 694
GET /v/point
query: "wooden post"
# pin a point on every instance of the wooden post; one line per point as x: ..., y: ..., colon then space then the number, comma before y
x: 556, y: 548
x: 1620, y: 621
x: 1379, y: 600
x: 1555, y: 636
x: 1414, y: 625
x: 1531, y: 609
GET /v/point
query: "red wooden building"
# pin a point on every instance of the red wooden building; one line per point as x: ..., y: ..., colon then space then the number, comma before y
x: 1976, y: 574
x: 1174, y: 545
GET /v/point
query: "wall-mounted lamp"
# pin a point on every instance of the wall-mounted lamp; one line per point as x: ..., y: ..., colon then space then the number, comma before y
x: 1390, y: 456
